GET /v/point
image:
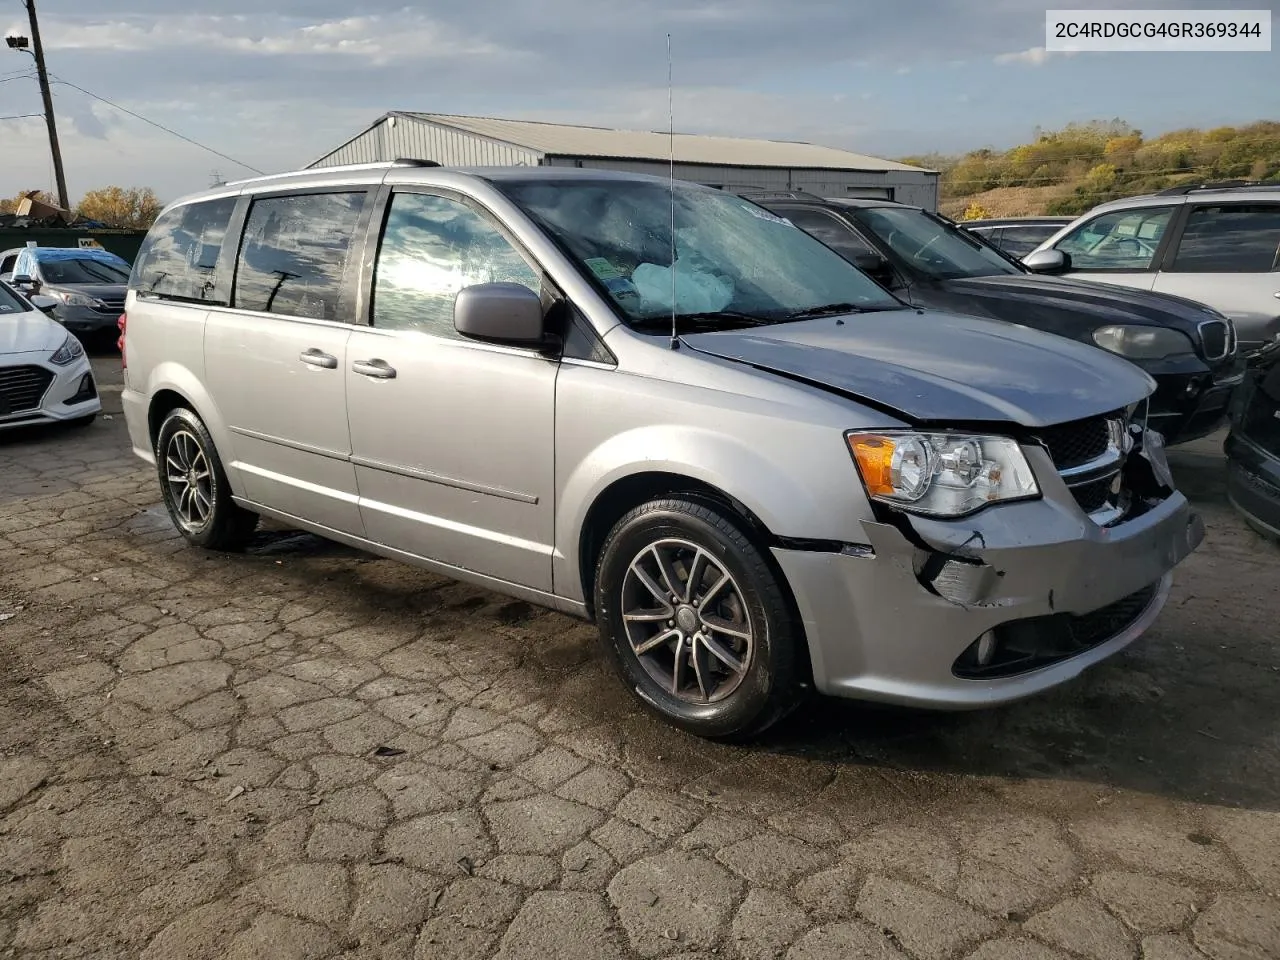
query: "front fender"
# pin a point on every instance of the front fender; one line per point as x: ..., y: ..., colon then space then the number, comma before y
x: 801, y: 484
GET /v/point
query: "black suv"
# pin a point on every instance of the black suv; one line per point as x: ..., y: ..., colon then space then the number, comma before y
x: 1187, y: 347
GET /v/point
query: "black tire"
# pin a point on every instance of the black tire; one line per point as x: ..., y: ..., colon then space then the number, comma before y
x: 184, y: 441
x: 769, y: 684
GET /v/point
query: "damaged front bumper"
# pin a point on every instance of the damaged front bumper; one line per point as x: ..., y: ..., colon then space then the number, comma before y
x: 987, y: 609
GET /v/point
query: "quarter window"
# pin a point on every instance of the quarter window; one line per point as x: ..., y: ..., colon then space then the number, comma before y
x: 1234, y: 238
x: 294, y: 254
x: 179, y: 258
x: 431, y: 248
x: 1124, y: 240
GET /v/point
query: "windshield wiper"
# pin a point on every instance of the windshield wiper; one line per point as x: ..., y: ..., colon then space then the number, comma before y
x: 712, y: 318
x: 835, y: 309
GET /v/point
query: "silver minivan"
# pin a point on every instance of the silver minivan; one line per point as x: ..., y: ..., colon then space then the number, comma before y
x: 660, y: 407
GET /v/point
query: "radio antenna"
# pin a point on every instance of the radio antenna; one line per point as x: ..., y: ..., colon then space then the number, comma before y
x: 671, y: 172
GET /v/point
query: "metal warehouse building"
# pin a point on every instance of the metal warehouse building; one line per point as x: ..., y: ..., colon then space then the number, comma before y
x: 729, y: 163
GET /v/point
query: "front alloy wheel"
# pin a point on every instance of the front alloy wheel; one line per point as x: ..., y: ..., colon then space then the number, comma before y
x: 696, y: 621
x: 686, y: 621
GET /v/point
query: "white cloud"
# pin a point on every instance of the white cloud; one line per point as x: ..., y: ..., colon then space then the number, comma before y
x: 374, y: 39
x: 1032, y: 56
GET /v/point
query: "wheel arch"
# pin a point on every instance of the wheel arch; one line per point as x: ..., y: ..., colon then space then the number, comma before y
x: 173, y: 386
x: 633, y: 490
x: 626, y: 493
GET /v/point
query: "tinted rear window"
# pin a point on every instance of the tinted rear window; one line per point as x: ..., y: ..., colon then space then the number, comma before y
x: 1232, y: 238
x: 179, y: 258
x: 294, y: 254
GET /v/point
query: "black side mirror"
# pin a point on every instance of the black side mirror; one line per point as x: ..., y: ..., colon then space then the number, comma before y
x: 1047, y: 261
x: 26, y: 284
x: 508, y: 313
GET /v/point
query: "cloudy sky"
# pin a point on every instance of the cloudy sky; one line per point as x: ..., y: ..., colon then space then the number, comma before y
x: 275, y: 84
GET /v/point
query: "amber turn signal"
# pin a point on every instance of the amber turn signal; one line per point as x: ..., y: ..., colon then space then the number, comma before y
x: 874, y: 457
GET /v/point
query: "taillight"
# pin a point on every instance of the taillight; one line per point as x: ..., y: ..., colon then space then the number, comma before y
x: 124, y: 318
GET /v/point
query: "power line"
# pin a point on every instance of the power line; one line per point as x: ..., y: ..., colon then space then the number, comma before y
x: 24, y: 76
x: 22, y: 116
x: 158, y: 126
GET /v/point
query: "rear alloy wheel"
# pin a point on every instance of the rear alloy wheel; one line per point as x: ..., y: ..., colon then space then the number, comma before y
x: 195, y: 488
x: 695, y: 620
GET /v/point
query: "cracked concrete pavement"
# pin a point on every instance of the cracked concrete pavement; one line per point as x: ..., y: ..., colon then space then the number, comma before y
x: 305, y: 752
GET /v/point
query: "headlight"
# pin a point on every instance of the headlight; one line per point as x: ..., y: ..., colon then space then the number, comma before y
x: 1142, y: 343
x: 74, y: 299
x: 941, y: 474
x: 69, y: 352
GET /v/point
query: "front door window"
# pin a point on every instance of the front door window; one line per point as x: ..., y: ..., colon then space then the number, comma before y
x: 1123, y: 240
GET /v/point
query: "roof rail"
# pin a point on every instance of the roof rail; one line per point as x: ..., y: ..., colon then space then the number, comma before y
x: 753, y: 194
x: 1186, y: 188
x: 337, y: 168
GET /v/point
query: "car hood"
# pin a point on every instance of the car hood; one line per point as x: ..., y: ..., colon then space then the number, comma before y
x: 103, y: 291
x: 30, y: 332
x: 1019, y: 298
x: 940, y: 368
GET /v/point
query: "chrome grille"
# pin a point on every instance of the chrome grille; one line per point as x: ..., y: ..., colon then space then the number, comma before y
x: 1216, y: 339
x: 1093, y: 495
x: 1073, y: 444
x: 22, y: 388
x: 1089, y: 455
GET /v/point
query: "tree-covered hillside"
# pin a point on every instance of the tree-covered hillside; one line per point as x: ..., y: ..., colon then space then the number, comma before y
x: 1070, y: 170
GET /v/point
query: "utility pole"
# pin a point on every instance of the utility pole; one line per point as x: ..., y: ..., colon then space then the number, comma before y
x: 43, y: 75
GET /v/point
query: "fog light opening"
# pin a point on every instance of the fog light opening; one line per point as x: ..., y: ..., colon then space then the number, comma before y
x: 986, y: 648
x: 86, y: 390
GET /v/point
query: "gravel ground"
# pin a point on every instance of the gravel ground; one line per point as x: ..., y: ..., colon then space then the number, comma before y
x: 306, y: 752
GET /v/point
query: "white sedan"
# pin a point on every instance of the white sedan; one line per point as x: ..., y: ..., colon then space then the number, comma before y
x: 44, y: 373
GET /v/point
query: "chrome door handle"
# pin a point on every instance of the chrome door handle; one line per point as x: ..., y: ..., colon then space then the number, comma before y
x: 318, y: 358
x: 378, y: 369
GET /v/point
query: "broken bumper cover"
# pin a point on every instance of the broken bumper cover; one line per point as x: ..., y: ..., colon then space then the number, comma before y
x: 892, y: 623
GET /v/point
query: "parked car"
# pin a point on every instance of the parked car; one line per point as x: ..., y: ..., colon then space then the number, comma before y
x: 1016, y: 236
x: 1188, y: 348
x: 1253, y: 445
x: 44, y: 373
x: 7, y: 261
x: 750, y: 465
x: 1216, y: 244
x: 88, y: 284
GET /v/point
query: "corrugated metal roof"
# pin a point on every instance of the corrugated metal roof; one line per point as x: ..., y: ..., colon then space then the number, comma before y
x: 559, y: 139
